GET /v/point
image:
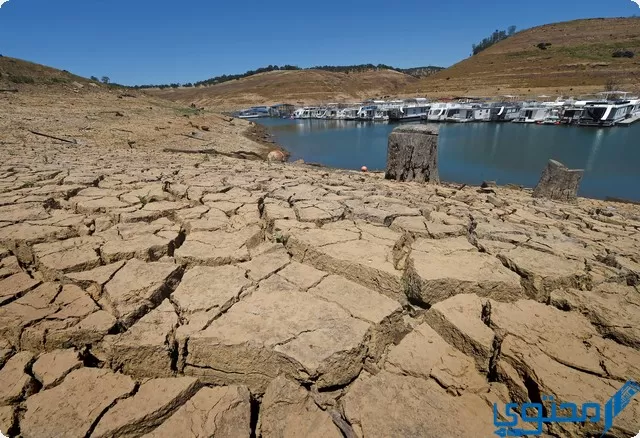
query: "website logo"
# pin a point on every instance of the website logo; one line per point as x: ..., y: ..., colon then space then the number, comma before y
x: 563, y: 413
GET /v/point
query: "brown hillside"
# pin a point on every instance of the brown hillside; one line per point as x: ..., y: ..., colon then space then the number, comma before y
x: 297, y: 86
x: 579, y: 60
x: 40, y: 104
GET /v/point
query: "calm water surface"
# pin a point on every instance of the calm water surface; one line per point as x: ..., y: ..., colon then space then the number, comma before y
x: 473, y: 152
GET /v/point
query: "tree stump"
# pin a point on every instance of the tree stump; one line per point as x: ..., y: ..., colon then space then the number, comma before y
x: 412, y: 154
x: 558, y: 182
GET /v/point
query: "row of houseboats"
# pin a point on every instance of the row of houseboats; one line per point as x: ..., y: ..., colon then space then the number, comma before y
x: 604, y: 111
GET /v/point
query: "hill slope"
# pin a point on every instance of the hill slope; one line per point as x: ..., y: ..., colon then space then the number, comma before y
x: 578, y: 59
x: 296, y: 86
x: 41, y: 104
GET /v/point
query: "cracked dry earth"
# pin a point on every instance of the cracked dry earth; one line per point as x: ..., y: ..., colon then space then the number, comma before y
x: 152, y: 294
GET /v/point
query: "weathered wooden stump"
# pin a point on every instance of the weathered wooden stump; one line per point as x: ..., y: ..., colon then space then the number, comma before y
x: 558, y: 182
x: 412, y: 154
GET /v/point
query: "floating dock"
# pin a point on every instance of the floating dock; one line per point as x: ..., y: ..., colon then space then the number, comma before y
x: 630, y: 121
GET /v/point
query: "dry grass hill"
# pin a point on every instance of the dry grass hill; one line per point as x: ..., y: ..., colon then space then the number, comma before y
x: 578, y: 59
x: 296, y: 86
x: 38, y: 101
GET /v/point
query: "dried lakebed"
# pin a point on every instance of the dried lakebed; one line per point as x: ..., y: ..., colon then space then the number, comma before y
x: 145, y: 293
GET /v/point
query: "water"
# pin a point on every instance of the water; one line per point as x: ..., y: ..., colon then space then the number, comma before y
x: 473, y: 152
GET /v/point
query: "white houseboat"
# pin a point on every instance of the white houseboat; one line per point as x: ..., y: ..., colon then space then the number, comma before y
x: 532, y: 114
x: 460, y: 113
x: 605, y: 113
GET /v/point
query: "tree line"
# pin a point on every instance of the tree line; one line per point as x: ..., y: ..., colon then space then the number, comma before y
x: 495, y: 37
x: 269, y: 68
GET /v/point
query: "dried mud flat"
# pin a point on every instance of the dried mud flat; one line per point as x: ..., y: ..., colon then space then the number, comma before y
x: 146, y: 293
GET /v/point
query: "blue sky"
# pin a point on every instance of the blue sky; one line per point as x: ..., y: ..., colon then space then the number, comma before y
x: 142, y: 42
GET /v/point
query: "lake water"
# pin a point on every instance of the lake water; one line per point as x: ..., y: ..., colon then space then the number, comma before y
x: 473, y: 152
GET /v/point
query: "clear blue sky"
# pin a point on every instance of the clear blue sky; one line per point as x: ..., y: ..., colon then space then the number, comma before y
x: 142, y: 41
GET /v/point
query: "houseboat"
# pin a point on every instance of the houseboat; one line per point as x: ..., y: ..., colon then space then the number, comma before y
x: 605, y: 113
x: 438, y: 112
x: 460, y: 113
x: 482, y: 113
x: 411, y: 110
x: 504, y: 112
x: 255, y: 112
x: 532, y: 114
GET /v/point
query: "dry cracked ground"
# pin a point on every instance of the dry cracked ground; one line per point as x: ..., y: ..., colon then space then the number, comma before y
x: 146, y: 293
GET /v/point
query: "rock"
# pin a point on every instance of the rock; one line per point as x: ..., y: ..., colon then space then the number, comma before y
x: 51, y: 368
x: 139, y: 287
x: 558, y: 183
x: 412, y: 154
x: 139, y: 414
x: 17, y: 384
x: 71, y: 408
x: 223, y: 412
x: 288, y: 410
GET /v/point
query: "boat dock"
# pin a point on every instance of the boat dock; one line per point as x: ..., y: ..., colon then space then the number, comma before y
x: 630, y: 121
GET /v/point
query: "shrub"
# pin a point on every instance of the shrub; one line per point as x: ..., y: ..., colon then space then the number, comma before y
x: 20, y: 79
x: 623, y: 54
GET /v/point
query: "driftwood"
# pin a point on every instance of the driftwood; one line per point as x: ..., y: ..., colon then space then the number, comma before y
x: 193, y: 136
x: 8, y: 90
x: 54, y: 137
x: 235, y: 154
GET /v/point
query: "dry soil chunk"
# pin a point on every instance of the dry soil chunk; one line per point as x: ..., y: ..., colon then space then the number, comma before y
x: 137, y: 288
x: 72, y: 407
x: 288, y: 411
x: 139, y: 414
x: 51, y: 368
x: 16, y: 383
x: 147, y: 348
x: 16, y: 286
x: 279, y: 332
x: 440, y: 269
x: 221, y: 412
x: 389, y: 405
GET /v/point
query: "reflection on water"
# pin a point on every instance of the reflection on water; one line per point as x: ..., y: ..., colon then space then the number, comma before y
x: 473, y: 152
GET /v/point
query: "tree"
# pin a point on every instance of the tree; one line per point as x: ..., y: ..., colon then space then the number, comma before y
x: 105, y: 79
x: 95, y: 79
x: 495, y: 37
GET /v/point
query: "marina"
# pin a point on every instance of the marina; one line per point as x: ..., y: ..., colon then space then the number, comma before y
x: 470, y: 153
x: 607, y: 109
